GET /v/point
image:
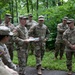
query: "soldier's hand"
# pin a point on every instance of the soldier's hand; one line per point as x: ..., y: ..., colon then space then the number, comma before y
x: 45, y: 40
x: 73, y: 47
x: 26, y: 41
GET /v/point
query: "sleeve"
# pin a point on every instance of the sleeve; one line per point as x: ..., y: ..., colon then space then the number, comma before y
x: 17, y: 40
x: 59, y: 28
x: 65, y: 39
x: 47, y: 34
x: 6, y: 58
x: 31, y: 31
x: 1, y: 51
x: 26, y: 33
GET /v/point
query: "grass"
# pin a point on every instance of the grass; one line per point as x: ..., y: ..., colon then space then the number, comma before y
x: 48, y: 61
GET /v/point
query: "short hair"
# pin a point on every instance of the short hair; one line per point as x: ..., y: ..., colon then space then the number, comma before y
x: 2, y: 36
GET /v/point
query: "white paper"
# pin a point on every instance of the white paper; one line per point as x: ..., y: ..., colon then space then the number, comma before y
x: 32, y: 39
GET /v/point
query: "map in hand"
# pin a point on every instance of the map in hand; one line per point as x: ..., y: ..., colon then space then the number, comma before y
x: 32, y: 39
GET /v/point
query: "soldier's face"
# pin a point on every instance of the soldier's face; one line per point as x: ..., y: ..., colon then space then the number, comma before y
x: 6, y: 39
x: 7, y: 19
x: 23, y: 21
x: 71, y: 25
x: 30, y: 17
x: 64, y: 21
x: 41, y: 22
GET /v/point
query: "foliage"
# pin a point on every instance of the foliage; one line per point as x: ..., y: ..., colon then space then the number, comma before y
x: 3, y: 3
x: 53, y: 13
x: 53, y: 16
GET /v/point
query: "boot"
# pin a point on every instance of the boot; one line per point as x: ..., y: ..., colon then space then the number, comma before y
x: 70, y: 72
x: 39, y: 72
x: 42, y: 68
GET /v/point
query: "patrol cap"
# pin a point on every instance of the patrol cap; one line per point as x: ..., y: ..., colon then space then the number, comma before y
x: 22, y: 17
x: 8, y: 15
x: 5, y: 31
x: 30, y: 15
x: 41, y: 17
x: 65, y: 18
x: 70, y: 21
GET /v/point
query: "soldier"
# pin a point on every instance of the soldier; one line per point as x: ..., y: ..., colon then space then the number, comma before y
x: 29, y: 24
x: 21, y: 34
x: 6, y: 58
x: 9, y: 44
x: 4, y: 37
x: 59, y: 46
x: 69, y: 41
x: 39, y: 31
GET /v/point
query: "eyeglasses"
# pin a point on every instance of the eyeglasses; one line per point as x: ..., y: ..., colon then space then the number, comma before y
x: 69, y: 23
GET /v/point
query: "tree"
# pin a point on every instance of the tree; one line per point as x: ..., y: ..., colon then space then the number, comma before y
x: 37, y: 7
x: 31, y: 5
x: 27, y: 6
x: 16, y: 10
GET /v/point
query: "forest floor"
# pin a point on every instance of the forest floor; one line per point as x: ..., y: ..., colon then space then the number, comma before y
x: 33, y: 71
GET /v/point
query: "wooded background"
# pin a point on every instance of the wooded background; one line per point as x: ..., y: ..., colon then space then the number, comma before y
x: 53, y: 10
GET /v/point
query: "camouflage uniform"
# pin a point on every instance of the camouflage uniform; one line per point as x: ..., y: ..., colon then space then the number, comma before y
x: 10, y: 44
x: 69, y: 38
x: 29, y: 24
x: 59, y: 46
x: 4, y: 54
x: 21, y: 34
x: 6, y: 58
x: 42, y: 33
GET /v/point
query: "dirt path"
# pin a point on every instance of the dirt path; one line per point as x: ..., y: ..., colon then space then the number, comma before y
x: 32, y: 71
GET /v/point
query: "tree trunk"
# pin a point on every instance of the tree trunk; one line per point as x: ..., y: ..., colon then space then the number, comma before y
x: 53, y: 3
x: 0, y: 19
x: 46, y: 3
x: 12, y: 12
x: 16, y: 11
x: 59, y: 2
x: 27, y: 6
x: 31, y: 5
x: 62, y: 2
x: 37, y: 7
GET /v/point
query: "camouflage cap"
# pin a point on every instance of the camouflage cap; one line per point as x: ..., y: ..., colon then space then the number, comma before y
x: 30, y: 15
x: 70, y: 21
x: 22, y: 17
x: 8, y: 15
x: 41, y: 17
x: 5, y: 31
x: 65, y: 18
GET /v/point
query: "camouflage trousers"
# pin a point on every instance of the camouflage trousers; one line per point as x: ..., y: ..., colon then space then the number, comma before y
x: 10, y: 49
x: 69, y: 55
x: 39, y: 52
x: 59, y: 49
x: 31, y: 47
x: 22, y: 59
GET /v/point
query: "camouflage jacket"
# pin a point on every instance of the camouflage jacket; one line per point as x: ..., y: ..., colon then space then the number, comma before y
x: 60, y: 30
x: 12, y: 27
x: 69, y: 38
x: 20, y: 33
x: 29, y: 24
x: 39, y: 31
x: 6, y: 57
